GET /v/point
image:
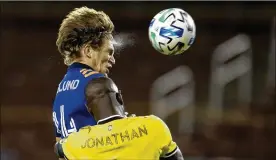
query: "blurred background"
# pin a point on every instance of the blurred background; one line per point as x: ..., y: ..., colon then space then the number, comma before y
x: 218, y: 98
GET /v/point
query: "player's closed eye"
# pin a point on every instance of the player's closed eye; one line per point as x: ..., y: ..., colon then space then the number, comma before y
x: 108, y: 92
x: 110, y: 52
x: 118, y: 95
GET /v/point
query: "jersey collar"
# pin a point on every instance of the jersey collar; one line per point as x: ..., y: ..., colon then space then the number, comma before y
x: 109, y: 119
x: 79, y: 65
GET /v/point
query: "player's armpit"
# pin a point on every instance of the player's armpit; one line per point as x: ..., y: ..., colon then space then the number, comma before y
x: 174, y: 155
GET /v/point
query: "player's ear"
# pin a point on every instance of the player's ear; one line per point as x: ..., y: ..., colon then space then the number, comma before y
x: 87, y: 50
x: 90, y: 110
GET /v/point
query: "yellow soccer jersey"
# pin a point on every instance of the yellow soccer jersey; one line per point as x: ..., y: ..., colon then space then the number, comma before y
x: 146, y: 137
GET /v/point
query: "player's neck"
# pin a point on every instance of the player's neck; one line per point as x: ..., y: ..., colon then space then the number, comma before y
x: 83, y: 61
x: 105, y: 112
x: 110, y: 118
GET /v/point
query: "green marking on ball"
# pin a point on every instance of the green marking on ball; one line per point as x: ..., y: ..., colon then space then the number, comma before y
x: 163, y: 17
x: 153, y: 35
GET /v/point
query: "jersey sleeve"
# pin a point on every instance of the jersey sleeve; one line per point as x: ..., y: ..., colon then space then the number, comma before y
x: 167, y: 146
x: 56, y: 127
x: 57, y: 132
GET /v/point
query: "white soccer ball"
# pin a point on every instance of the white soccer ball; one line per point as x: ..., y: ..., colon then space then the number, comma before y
x: 172, y: 31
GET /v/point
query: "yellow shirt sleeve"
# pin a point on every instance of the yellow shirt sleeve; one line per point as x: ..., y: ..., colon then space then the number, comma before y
x: 167, y: 145
x: 68, y: 145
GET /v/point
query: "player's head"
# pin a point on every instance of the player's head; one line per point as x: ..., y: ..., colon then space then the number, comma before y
x: 103, y: 98
x: 85, y: 35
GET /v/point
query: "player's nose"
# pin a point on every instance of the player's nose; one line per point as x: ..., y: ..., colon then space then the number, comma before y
x: 112, y: 59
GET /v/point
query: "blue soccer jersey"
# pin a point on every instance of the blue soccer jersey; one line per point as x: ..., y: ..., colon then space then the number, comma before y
x: 69, y: 110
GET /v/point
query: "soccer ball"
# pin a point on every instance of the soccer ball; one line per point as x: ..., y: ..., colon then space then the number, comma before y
x: 172, y: 31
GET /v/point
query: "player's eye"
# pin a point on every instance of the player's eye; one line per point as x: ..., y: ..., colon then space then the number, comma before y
x: 110, y: 52
x: 119, y: 98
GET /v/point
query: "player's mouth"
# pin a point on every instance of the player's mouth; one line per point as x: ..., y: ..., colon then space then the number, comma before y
x: 110, y: 62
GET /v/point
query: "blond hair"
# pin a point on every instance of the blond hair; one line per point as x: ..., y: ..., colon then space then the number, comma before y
x: 81, y: 26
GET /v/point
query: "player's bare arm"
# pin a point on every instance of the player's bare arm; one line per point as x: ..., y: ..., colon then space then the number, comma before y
x: 59, y: 151
x: 176, y: 155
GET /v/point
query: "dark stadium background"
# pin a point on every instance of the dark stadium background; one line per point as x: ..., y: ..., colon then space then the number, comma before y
x: 31, y: 69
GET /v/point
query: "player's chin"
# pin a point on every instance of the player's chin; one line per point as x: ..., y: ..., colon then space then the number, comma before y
x: 106, y: 70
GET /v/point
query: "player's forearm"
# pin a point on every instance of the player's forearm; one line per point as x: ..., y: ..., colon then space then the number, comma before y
x: 176, y: 156
x: 57, y: 140
x: 58, y: 150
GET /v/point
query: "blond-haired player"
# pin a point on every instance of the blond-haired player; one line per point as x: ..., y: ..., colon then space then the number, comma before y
x: 117, y: 137
x: 85, y: 42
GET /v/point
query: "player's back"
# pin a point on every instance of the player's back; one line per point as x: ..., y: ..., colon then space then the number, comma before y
x: 128, y: 138
x: 69, y: 110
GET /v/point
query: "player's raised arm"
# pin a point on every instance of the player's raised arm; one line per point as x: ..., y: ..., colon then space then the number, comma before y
x: 169, y: 148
